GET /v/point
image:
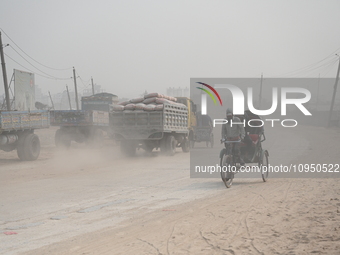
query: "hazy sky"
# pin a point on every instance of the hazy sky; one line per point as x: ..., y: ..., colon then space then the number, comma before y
x: 129, y: 46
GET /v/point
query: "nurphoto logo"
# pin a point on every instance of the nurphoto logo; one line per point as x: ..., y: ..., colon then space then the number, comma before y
x: 239, y: 102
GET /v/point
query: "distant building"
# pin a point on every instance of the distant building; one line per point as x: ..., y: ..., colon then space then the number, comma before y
x: 178, y: 92
x: 99, y: 102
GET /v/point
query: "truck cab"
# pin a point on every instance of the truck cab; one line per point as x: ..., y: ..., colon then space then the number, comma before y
x: 192, y: 116
x: 98, y: 102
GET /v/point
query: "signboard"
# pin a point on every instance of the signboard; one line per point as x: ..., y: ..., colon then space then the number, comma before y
x: 24, y: 91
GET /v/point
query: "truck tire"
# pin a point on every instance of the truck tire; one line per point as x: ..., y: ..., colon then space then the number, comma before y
x: 61, y: 139
x: 97, y: 139
x: 148, y: 147
x: 171, y: 145
x: 32, y: 147
x: 128, y: 148
x: 20, y: 147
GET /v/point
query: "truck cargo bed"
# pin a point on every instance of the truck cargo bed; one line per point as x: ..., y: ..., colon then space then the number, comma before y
x: 21, y: 120
x: 142, y: 125
x: 79, y: 118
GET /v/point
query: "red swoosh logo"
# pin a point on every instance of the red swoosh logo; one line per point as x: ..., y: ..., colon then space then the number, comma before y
x: 213, y: 90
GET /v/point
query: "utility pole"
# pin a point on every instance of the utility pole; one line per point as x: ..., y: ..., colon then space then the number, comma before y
x: 75, y: 88
x: 69, y: 99
x: 51, y: 100
x: 4, y: 74
x: 334, y: 93
x: 260, y: 96
x: 92, y: 86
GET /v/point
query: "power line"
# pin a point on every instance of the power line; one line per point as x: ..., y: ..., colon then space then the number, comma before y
x: 308, y: 69
x: 82, y: 81
x: 324, y: 66
x: 310, y: 66
x: 31, y: 63
x: 59, y: 69
x: 52, y: 78
x: 330, y: 68
x: 321, y: 59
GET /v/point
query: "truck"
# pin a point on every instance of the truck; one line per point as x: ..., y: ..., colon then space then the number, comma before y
x: 17, y: 132
x: 165, y: 129
x: 192, y: 118
x: 200, y: 126
x: 203, y: 130
x: 17, y: 127
x: 79, y: 126
x: 87, y: 125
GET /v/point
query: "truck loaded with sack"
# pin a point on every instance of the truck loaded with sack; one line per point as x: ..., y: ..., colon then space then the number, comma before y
x: 154, y: 121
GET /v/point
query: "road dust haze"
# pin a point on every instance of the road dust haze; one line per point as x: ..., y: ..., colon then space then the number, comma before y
x: 86, y: 200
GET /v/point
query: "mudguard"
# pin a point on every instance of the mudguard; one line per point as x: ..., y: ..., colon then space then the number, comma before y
x: 266, y: 153
x: 222, y: 152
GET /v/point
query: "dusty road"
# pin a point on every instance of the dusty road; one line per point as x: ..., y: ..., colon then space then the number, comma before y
x: 84, y: 201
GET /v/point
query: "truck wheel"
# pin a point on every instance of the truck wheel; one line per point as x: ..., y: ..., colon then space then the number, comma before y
x: 32, y: 147
x: 185, y: 145
x: 128, y: 148
x: 97, y: 140
x: 20, y: 146
x: 171, y: 145
x: 61, y: 139
x: 148, y: 147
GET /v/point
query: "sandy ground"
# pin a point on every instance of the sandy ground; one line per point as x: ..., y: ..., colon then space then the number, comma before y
x: 84, y: 201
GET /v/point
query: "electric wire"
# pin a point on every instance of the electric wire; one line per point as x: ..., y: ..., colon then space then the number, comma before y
x: 34, y: 65
x: 307, y: 68
x: 36, y: 72
x: 59, y: 69
x: 82, y: 81
x: 320, y: 68
x: 329, y: 68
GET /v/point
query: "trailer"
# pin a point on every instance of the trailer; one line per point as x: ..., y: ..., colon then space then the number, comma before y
x: 17, y: 132
x: 165, y: 129
x: 88, y: 125
x: 17, y: 127
x: 79, y: 126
